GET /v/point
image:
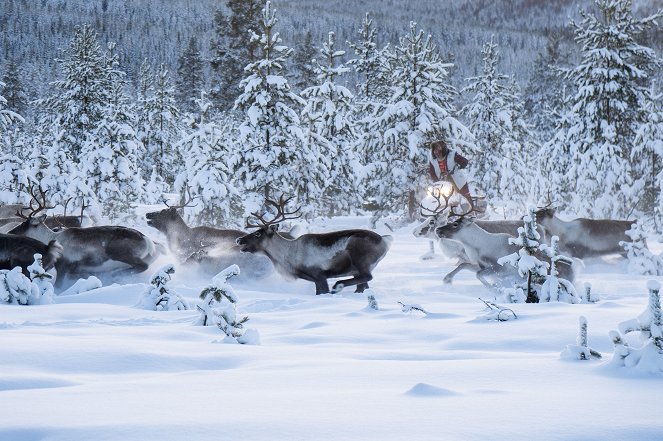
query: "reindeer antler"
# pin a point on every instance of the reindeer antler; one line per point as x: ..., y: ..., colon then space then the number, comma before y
x: 281, y: 214
x: 187, y: 200
x: 438, y: 196
x: 34, y: 198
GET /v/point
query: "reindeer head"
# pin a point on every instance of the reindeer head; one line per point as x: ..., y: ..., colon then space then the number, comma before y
x: 170, y: 216
x: 266, y: 229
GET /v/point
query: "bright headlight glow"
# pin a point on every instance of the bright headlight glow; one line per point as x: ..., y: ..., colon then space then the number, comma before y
x: 440, y: 189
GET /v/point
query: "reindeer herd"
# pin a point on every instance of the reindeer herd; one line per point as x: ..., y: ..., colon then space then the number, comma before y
x: 76, y: 249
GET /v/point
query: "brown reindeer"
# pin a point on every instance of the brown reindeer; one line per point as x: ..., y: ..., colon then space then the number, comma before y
x: 316, y: 257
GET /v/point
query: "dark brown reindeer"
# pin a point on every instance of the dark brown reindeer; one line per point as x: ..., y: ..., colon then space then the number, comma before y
x: 19, y: 251
x: 316, y: 257
x: 584, y: 237
x: 99, y: 250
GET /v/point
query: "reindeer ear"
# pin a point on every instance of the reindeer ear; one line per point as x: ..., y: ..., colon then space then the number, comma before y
x: 274, y: 228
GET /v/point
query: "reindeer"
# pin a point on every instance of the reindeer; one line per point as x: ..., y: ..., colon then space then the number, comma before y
x: 584, y: 237
x: 439, y: 217
x: 483, y: 249
x: 19, y: 251
x: 316, y: 257
x: 93, y: 250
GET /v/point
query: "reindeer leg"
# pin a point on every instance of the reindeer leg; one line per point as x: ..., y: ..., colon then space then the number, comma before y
x: 361, y: 287
x: 465, y: 265
x: 321, y: 286
x: 360, y: 279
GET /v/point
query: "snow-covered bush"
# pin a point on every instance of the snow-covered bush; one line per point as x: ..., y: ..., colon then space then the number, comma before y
x: 161, y: 297
x: 15, y: 288
x: 408, y: 308
x: 580, y: 350
x: 640, y: 259
x: 555, y: 288
x: 219, y: 308
x: 372, y: 302
x: 83, y: 285
x: 649, y: 357
x: 498, y: 313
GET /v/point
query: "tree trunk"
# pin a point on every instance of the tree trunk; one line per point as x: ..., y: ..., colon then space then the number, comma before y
x: 531, y: 294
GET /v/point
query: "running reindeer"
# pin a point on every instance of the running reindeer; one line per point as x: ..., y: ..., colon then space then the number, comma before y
x: 584, y: 237
x: 208, y: 249
x: 97, y: 250
x: 316, y: 257
x: 444, y: 213
x: 483, y: 249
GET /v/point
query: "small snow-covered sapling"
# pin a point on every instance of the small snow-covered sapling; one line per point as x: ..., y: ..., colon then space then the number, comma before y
x: 580, y: 351
x: 15, y: 288
x: 160, y: 296
x: 41, y: 279
x: 372, y: 302
x: 219, y: 306
x: 496, y: 312
x: 640, y: 259
x: 410, y: 308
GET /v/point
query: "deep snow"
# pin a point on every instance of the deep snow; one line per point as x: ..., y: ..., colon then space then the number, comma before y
x: 94, y: 367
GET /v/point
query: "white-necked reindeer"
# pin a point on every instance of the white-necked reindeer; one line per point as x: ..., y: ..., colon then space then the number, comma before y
x: 483, y: 249
x: 317, y: 257
x: 95, y: 250
x: 441, y: 215
x: 584, y: 237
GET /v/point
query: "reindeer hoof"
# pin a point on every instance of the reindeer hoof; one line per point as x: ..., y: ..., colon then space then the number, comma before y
x: 447, y: 280
x: 338, y: 287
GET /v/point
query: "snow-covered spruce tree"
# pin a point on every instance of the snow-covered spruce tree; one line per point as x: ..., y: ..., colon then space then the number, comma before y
x: 648, y: 358
x: 329, y: 111
x: 543, y: 93
x: 640, y: 259
x: 580, y: 351
x: 530, y: 267
x: 610, y: 83
x: 163, y: 128
x: 12, y: 89
x: 419, y: 110
x: 555, y: 288
x: 190, y: 81
x: 12, y: 152
x: 77, y: 100
x: 369, y: 63
x: 159, y: 296
x: 503, y: 155
x: 232, y: 48
x: 219, y: 308
x: 304, y: 63
x: 274, y: 154
x: 648, y: 147
x: 42, y: 280
x: 110, y: 155
x: 15, y: 288
x: 209, y: 161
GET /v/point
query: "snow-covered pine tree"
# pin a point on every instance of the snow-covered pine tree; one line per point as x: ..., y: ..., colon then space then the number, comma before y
x: 555, y: 288
x: 369, y: 63
x: 524, y: 260
x: 12, y: 152
x: 303, y: 61
x: 11, y: 88
x: 543, y: 99
x: 110, y: 155
x: 329, y: 111
x: 648, y: 147
x: 159, y: 296
x: 233, y: 48
x: 274, y: 155
x: 648, y: 358
x: 504, y: 150
x: 640, y: 259
x: 77, y: 99
x: 162, y: 116
x: 219, y: 308
x: 208, y: 173
x: 42, y: 280
x: 419, y: 110
x: 189, y: 83
x: 610, y: 83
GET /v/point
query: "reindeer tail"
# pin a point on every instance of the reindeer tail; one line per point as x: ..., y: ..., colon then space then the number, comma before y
x: 53, y: 253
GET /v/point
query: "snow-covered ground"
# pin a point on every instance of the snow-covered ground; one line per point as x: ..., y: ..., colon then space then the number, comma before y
x: 94, y: 367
